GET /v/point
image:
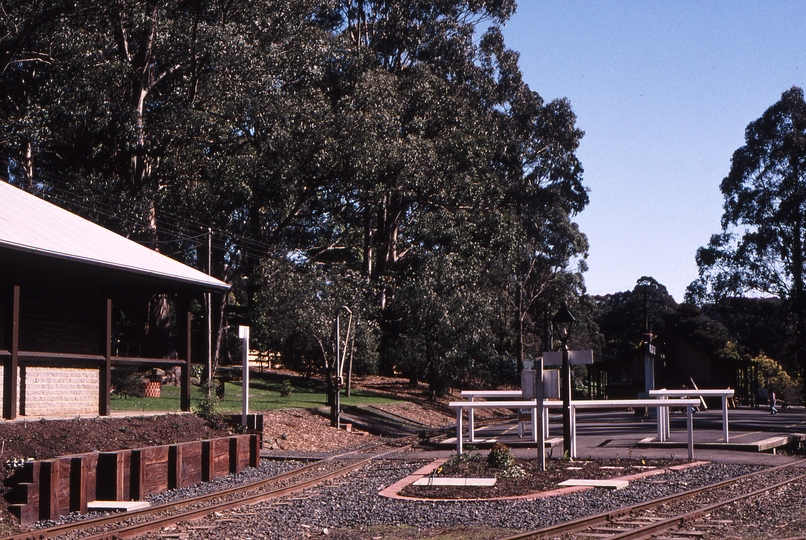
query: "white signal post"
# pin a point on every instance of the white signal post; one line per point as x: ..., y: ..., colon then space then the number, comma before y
x: 243, y: 333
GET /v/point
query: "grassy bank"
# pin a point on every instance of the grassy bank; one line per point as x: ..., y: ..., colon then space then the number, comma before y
x: 263, y: 396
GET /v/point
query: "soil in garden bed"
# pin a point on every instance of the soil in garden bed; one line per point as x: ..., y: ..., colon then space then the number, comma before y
x: 525, y: 477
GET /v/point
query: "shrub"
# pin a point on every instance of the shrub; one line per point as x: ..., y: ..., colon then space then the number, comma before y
x: 778, y: 379
x: 208, y: 408
x: 127, y: 382
x: 500, y: 457
x: 286, y: 389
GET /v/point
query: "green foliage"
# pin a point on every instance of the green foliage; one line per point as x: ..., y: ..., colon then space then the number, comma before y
x: 127, y: 382
x: 758, y: 325
x: 286, y: 390
x: 760, y: 247
x: 196, y: 371
x: 500, y: 457
x: 385, y: 156
x: 209, y: 408
x: 459, y: 459
x: 773, y: 377
x: 623, y: 316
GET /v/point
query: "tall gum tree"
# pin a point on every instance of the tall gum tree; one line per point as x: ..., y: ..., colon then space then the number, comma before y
x: 453, y: 156
x: 761, y: 246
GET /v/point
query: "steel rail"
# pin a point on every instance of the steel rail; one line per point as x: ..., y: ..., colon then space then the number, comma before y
x: 607, y: 517
x: 651, y: 529
x: 238, y: 492
x: 190, y: 515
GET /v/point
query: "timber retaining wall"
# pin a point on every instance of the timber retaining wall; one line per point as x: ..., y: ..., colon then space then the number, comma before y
x: 55, y: 487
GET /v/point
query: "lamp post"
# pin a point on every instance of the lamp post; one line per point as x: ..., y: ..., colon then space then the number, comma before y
x: 563, y: 322
x: 649, y: 349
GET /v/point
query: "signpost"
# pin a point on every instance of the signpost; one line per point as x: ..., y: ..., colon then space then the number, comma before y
x: 243, y: 333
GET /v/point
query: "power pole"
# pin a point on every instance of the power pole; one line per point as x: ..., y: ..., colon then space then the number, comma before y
x: 208, y: 299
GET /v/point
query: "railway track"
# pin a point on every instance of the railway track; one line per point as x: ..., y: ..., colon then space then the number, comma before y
x: 134, y: 523
x: 682, y: 515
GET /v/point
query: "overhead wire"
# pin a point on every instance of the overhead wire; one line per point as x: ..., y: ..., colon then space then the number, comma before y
x: 173, y: 226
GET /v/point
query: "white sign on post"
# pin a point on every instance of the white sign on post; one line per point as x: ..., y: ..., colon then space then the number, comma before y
x: 555, y: 358
x: 551, y: 384
x: 243, y: 333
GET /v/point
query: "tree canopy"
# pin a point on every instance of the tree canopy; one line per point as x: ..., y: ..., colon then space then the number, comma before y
x: 382, y: 155
x: 761, y: 247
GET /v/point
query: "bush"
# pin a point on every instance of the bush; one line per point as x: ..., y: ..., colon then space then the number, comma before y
x: 500, y: 457
x: 775, y: 377
x: 209, y: 409
x: 286, y: 389
x: 127, y: 382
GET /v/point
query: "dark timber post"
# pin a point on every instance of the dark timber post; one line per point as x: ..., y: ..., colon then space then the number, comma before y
x: 105, y: 378
x: 184, y: 347
x: 11, y: 366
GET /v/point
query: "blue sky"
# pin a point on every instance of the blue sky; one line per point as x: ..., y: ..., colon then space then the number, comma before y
x: 664, y: 92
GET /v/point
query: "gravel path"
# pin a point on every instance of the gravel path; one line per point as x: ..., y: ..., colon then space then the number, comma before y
x: 351, y: 507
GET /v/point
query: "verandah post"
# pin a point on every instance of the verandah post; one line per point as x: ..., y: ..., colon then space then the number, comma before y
x: 11, y: 366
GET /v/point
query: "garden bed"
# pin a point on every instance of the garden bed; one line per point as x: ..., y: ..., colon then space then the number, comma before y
x: 522, y: 477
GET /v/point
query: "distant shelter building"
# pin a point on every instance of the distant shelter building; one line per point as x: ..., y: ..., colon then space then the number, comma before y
x: 74, y: 304
x: 682, y: 364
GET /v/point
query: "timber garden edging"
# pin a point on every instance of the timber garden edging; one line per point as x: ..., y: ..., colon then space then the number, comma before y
x: 55, y: 487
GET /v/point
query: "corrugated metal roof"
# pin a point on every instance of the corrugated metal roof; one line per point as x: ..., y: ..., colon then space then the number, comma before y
x: 28, y: 223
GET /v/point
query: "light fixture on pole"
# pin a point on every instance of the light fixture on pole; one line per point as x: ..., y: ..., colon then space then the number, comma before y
x: 563, y: 323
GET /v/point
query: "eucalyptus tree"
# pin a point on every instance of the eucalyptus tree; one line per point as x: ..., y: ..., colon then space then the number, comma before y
x: 761, y: 247
x: 624, y: 317
x: 29, y: 64
x: 164, y: 119
x: 395, y: 140
x: 450, y: 152
x: 543, y: 190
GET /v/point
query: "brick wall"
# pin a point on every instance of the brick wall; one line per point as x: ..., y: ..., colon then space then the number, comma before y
x: 48, y: 391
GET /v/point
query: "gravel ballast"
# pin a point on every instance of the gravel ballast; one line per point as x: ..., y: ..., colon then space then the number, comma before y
x: 353, y: 504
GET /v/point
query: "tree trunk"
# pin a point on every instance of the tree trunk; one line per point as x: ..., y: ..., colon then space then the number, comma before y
x: 220, y: 342
x: 28, y: 167
x: 368, y: 251
x: 519, y: 351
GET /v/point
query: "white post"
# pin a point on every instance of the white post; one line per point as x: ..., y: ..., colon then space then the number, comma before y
x: 667, y: 425
x: 243, y: 333
x: 725, y: 417
x: 663, y: 421
x: 537, y: 417
x: 573, y: 453
x: 470, y: 427
x: 459, y: 430
x: 208, y: 297
x: 690, y: 427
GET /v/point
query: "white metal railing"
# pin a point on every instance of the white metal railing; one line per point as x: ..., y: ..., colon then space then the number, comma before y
x: 663, y: 418
x: 661, y: 404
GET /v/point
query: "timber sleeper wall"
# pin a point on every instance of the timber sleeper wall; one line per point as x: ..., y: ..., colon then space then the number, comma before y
x: 52, y: 488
